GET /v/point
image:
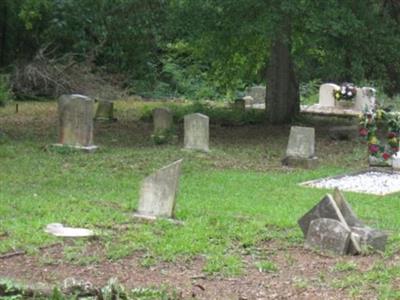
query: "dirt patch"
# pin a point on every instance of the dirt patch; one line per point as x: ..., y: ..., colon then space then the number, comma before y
x: 300, y: 274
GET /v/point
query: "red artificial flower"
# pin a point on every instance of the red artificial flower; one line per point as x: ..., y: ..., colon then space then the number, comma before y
x: 392, y: 135
x: 373, y: 148
x: 386, y: 156
x: 363, y: 131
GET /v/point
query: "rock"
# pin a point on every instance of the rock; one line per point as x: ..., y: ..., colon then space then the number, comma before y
x: 158, y: 192
x: 328, y: 235
x: 59, y: 230
x: 370, y: 238
x: 197, y: 134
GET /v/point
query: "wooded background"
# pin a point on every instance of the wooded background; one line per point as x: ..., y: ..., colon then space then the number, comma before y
x: 209, y: 49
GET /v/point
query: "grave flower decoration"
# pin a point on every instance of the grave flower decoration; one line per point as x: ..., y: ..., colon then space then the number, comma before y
x: 347, y: 92
x: 370, y: 122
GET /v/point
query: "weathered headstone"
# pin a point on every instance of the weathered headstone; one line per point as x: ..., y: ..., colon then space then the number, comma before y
x: 158, y: 192
x: 370, y: 239
x: 257, y: 93
x: 197, y: 134
x: 326, y: 97
x: 105, y: 111
x: 162, y: 119
x: 328, y: 235
x: 301, y: 148
x: 365, y: 99
x: 336, y: 209
x: 76, y: 122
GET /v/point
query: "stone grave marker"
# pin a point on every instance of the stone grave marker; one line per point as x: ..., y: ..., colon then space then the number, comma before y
x: 76, y: 122
x: 328, y: 235
x: 326, y: 97
x: 336, y: 242
x: 197, y: 134
x: 258, y: 93
x: 301, y: 148
x: 365, y: 99
x: 158, y: 193
x: 105, y: 111
x: 162, y: 119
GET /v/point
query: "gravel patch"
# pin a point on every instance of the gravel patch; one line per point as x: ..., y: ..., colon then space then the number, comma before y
x: 369, y: 182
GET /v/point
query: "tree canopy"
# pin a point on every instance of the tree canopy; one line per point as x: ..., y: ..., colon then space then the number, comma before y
x: 211, y: 48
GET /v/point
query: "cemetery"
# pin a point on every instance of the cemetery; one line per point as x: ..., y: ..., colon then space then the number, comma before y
x: 206, y: 208
x: 239, y: 150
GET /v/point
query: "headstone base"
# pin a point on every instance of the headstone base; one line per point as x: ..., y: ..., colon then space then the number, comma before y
x: 91, y: 148
x: 298, y: 162
x: 103, y: 119
x: 150, y: 218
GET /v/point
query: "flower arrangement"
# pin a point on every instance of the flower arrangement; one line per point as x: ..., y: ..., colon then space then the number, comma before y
x: 369, y: 123
x: 347, y: 92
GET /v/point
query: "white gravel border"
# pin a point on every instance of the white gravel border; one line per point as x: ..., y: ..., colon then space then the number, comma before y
x: 373, y: 182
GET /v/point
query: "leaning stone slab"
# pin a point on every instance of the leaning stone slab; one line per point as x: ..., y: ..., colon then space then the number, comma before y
x: 370, y: 238
x: 328, y: 235
x: 162, y: 119
x: 59, y: 230
x: 105, y: 111
x: 346, y: 210
x: 158, y: 193
x: 197, y: 133
x: 76, y: 122
x: 326, y: 208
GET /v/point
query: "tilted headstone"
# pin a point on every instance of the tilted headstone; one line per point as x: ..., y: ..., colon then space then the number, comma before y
x: 328, y: 235
x: 197, y: 134
x: 301, y: 148
x: 76, y: 121
x: 326, y: 97
x: 258, y: 93
x: 158, y: 192
x: 162, y: 119
x: 365, y: 99
x: 336, y: 208
x: 105, y: 111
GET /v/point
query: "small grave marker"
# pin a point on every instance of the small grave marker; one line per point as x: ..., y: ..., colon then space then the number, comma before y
x: 196, y: 132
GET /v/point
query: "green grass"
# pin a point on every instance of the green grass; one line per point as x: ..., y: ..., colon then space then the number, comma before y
x: 230, y: 200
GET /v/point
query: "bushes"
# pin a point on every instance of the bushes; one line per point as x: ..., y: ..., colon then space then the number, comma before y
x: 5, y: 92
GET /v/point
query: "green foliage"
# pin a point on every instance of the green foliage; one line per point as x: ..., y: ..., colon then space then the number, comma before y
x: 5, y: 92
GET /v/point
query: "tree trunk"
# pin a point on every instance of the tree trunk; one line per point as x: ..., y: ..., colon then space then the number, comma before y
x: 3, y: 30
x: 282, y: 98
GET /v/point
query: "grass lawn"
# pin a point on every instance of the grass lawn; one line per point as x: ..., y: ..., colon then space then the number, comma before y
x: 232, y: 200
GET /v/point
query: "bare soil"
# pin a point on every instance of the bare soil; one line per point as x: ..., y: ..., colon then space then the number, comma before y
x: 301, y: 274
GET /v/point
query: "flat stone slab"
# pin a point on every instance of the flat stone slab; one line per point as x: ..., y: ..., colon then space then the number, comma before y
x: 375, y: 182
x: 59, y: 230
x: 91, y: 148
x: 328, y: 235
x: 317, y: 109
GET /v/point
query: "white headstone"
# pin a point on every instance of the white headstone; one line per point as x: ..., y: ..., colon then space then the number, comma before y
x: 301, y: 142
x: 196, y: 132
x: 258, y: 93
x: 326, y: 97
x: 158, y: 192
x: 365, y: 99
